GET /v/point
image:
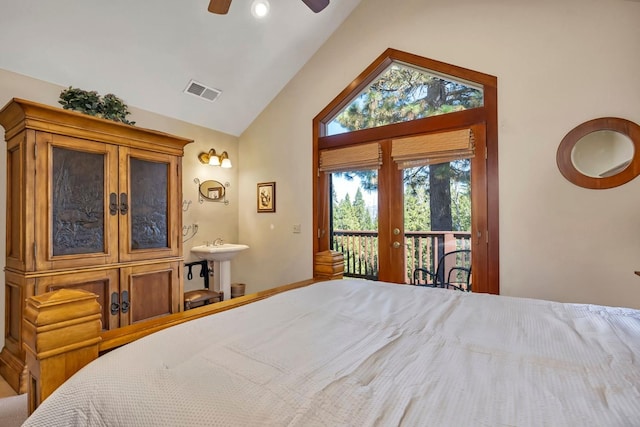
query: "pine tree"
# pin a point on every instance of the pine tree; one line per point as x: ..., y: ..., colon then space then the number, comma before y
x: 403, y: 93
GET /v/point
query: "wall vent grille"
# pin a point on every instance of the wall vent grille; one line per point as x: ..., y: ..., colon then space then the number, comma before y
x: 202, y: 91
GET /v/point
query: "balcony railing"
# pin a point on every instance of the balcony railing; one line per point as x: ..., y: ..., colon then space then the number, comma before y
x: 422, y: 249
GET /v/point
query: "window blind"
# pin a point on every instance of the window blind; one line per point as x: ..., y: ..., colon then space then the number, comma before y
x: 432, y: 149
x: 358, y: 157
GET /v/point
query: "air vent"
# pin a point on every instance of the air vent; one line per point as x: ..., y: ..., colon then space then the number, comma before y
x: 202, y: 91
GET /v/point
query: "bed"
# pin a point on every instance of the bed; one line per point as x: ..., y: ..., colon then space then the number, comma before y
x: 359, y: 353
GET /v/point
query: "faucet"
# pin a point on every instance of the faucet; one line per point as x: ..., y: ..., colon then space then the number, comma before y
x: 218, y: 242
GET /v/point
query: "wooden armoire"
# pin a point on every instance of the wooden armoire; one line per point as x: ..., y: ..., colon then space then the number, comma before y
x: 91, y: 204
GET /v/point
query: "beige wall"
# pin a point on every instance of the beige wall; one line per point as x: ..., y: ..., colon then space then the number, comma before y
x: 213, y: 219
x: 558, y: 63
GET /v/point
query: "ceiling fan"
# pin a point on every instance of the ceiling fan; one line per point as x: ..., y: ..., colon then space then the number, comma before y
x: 221, y: 7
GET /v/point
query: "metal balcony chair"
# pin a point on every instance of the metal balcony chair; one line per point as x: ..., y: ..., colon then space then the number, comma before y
x: 453, y: 272
x: 204, y: 296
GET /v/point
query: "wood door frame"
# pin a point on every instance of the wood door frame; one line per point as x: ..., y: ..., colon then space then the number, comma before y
x: 485, y: 281
x: 390, y: 178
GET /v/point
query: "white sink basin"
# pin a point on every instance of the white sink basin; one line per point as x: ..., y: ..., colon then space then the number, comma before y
x: 224, y: 252
x: 221, y: 256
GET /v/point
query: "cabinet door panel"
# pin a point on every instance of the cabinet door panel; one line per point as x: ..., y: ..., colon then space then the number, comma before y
x: 77, y: 211
x: 149, y: 203
x: 153, y: 291
x: 151, y: 222
x: 17, y: 289
x: 20, y: 175
x: 74, y: 223
x: 103, y: 283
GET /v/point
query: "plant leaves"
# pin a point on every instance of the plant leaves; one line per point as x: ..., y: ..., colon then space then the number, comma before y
x: 90, y: 102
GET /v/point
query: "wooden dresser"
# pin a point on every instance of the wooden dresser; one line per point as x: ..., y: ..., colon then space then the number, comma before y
x: 91, y: 204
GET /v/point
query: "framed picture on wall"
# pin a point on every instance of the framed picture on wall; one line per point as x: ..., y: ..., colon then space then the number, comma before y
x: 266, y: 197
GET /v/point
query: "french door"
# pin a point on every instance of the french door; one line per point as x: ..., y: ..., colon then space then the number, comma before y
x: 391, y: 241
x: 397, y: 250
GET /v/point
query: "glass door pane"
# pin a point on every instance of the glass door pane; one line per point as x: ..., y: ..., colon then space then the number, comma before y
x: 437, y: 215
x: 354, y: 221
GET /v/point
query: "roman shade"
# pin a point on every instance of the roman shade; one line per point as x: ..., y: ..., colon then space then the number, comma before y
x: 358, y: 157
x: 433, y: 148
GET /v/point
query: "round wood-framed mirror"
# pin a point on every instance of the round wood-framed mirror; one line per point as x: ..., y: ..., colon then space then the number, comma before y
x: 601, y: 153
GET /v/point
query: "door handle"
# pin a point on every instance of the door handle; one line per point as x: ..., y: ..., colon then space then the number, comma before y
x: 125, y: 301
x: 124, y: 207
x: 396, y: 245
x: 115, y: 303
x: 113, y: 204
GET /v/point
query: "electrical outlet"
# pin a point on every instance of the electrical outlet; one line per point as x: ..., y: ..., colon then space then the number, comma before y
x: 296, y: 228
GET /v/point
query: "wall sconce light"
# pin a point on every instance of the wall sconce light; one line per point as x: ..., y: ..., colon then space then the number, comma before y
x: 213, y: 159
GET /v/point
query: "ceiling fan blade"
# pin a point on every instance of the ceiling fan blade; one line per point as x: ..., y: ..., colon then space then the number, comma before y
x: 316, y: 5
x: 221, y: 7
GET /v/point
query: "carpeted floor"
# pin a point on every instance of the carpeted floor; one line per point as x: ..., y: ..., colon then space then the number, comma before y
x: 13, y: 407
x: 13, y: 410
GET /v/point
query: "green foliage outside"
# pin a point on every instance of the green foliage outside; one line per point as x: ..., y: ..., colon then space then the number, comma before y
x: 403, y: 93
x: 436, y: 197
x: 354, y: 216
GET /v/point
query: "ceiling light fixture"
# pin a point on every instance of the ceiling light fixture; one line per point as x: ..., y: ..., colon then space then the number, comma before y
x: 260, y: 8
x: 213, y: 159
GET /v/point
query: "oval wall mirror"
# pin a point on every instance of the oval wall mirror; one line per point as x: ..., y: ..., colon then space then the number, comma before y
x: 601, y: 153
x: 212, y: 190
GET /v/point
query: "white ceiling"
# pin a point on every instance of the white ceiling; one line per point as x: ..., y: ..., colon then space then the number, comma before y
x: 145, y: 52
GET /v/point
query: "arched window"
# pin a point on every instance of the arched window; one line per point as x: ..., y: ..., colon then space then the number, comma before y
x: 403, y: 93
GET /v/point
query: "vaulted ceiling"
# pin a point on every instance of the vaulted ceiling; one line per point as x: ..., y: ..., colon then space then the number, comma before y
x: 146, y: 52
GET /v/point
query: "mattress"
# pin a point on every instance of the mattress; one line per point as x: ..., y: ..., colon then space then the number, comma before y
x: 363, y: 353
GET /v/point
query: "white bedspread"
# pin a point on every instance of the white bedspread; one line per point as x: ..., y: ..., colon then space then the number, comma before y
x: 359, y: 353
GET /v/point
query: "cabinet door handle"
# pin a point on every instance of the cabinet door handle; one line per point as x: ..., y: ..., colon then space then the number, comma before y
x: 124, y: 207
x: 125, y: 301
x: 115, y: 303
x: 113, y: 204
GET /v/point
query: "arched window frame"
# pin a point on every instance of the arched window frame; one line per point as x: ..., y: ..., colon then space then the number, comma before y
x: 487, y: 114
